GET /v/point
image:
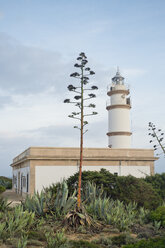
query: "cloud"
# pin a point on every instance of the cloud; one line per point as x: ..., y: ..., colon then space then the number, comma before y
x: 25, y: 69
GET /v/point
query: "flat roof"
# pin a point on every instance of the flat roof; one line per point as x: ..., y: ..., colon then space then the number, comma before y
x: 67, y: 153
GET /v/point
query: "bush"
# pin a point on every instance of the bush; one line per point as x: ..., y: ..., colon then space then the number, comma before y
x: 82, y: 244
x: 127, y: 189
x: 6, y: 182
x: 136, y: 190
x: 151, y: 243
x: 158, y: 215
x: 122, y: 239
x: 2, y: 189
x: 158, y: 183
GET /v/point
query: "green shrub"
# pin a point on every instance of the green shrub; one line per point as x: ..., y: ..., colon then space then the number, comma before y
x: 4, y: 205
x: 114, y: 213
x: 35, y: 203
x: 136, y: 190
x: 2, y: 189
x: 151, y: 243
x: 15, y: 222
x: 122, y: 239
x: 62, y: 202
x: 6, y: 182
x: 105, y: 241
x: 22, y: 242
x: 57, y: 204
x: 82, y: 244
x: 58, y: 240
x: 126, y: 189
x: 158, y: 215
x: 158, y: 183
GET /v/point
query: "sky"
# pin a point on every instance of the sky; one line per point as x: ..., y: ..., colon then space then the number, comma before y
x: 39, y: 43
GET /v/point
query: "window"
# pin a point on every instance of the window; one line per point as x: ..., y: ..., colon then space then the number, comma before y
x: 27, y: 183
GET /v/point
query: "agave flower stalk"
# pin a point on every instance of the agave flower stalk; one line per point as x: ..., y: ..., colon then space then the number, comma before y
x: 79, y: 99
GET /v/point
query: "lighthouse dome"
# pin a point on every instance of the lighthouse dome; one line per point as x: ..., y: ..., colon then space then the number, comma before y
x: 118, y: 79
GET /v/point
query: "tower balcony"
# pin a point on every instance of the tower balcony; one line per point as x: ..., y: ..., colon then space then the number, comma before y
x: 117, y: 89
x: 127, y: 105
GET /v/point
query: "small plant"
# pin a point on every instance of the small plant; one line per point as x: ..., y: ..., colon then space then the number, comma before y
x: 122, y: 239
x: 62, y: 203
x: 150, y: 243
x: 58, y: 240
x: 15, y: 222
x: 106, y: 241
x: 143, y: 215
x: 157, y: 225
x: 158, y: 215
x: 83, y: 244
x: 4, y: 205
x: 22, y: 242
x: 2, y: 189
x: 35, y: 204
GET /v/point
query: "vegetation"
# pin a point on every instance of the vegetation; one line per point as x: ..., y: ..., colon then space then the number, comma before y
x: 107, y: 211
x: 79, y: 101
x: 15, y: 222
x: 158, y: 215
x: 2, y: 189
x: 126, y: 189
x: 158, y: 183
x: 57, y: 204
x: 6, y: 182
x: 151, y: 243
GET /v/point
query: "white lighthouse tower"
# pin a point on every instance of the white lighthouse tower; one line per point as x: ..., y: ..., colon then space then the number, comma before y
x: 119, y: 134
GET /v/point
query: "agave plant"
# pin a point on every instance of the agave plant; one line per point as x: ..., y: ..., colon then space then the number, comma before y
x: 16, y: 222
x: 4, y: 205
x: 113, y: 212
x: 91, y: 192
x: 35, y: 203
x: 143, y: 215
x: 62, y: 203
x: 22, y: 242
x: 59, y: 240
x: 79, y: 217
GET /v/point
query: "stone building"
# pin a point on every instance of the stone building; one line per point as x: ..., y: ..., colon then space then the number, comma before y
x: 39, y: 167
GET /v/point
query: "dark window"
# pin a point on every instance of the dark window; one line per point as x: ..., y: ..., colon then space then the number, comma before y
x: 27, y: 183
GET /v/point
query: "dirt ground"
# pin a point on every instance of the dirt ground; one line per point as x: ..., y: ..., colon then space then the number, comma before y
x: 12, y: 197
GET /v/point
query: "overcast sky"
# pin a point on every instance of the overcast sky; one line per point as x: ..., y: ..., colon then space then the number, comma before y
x: 39, y: 43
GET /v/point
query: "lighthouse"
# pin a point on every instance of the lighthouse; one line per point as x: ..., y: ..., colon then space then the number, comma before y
x: 118, y: 106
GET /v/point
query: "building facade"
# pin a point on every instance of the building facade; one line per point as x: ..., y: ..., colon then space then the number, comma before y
x: 39, y: 167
